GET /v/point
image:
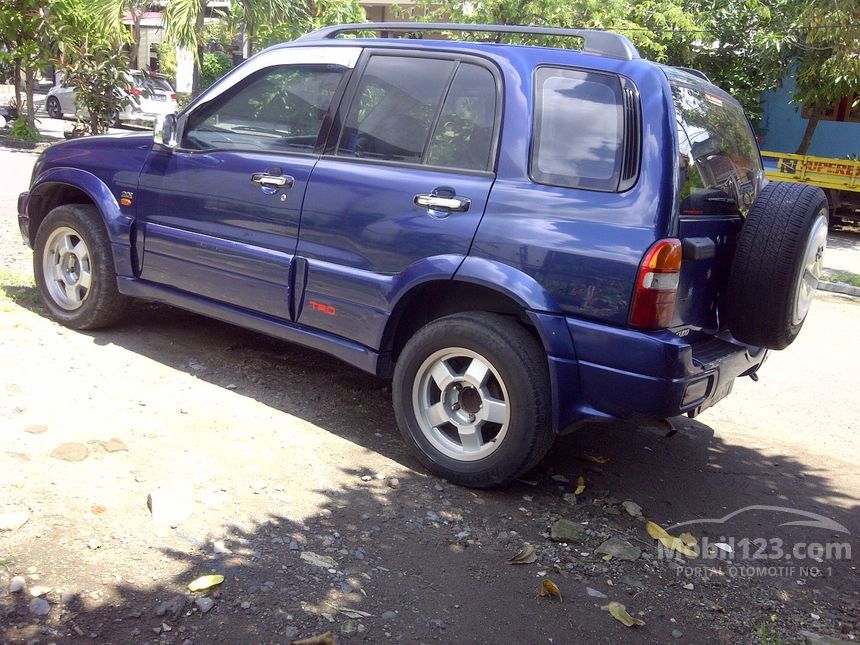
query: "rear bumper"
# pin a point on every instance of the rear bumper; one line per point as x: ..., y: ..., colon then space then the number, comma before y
x: 623, y: 373
x: 23, y: 218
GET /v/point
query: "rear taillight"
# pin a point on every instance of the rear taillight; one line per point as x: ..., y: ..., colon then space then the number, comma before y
x: 657, y: 286
x: 173, y: 96
x: 136, y: 91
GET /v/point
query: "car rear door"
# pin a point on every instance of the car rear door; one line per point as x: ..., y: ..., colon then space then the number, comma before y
x: 401, y: 189
x: 219, y: 215
x: 720, y: 176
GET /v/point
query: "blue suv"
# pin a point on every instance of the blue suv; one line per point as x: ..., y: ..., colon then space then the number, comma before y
x: 523, y: 238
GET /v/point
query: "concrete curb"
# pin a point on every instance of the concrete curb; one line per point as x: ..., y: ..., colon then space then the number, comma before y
x: 839, y: 287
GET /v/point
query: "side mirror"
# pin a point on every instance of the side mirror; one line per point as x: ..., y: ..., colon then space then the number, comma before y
x: 164, y: 132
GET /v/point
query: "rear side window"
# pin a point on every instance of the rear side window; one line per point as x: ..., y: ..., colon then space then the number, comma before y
x: 719, y: 162
x: 578, y: 129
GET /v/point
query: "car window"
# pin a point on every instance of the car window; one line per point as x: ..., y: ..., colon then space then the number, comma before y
x: 464, y: 133
x: 280, y: 109
x: 394, y: 108
x: 578, y: 129
x: 719, y: 161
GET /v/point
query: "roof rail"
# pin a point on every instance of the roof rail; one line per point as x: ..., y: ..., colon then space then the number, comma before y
x: 604, y: 43
x: 695, y: 72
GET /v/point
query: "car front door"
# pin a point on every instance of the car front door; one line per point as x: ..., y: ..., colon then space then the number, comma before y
x: 219, y: 214
x: 401, y: 189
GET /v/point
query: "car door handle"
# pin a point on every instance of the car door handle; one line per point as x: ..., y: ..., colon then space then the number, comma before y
x: 447, y: 204
x: 272, y: 181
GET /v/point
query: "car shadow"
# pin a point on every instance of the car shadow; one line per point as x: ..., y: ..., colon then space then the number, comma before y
x: 680, y: 471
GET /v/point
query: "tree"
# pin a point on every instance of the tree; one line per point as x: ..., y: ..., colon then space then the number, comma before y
x: 28, y: 38
x: 826, y: 59
x: 312, y: 15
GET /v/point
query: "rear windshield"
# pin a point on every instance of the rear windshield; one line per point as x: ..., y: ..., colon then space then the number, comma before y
x: 720, y: 167
x: 578, y: 129
x: 151, y: 83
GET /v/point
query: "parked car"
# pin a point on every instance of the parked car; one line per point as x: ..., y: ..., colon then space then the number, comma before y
x: 524, y: 239
x: 150, y: 96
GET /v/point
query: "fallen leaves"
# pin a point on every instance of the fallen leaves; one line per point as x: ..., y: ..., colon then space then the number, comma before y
x: 320, y: 639
x: 549, y: 589
x: 670, y: 541
x: 580, y: 486
x: 322, y: 561
x: 206, y: 582
x: 619, y: 613
x: 595, y: 459
x: 349, y: 612
x: 526, y: 555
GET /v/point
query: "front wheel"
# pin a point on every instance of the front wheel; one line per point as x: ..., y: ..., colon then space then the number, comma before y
x: 74, y: 270
x: 472, y: 398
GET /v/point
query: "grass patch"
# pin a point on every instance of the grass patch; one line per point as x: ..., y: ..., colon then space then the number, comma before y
x: 845, y: 277
x: 17, y: 289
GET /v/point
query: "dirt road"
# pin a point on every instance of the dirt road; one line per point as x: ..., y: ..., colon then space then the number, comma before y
x: 282, y: 469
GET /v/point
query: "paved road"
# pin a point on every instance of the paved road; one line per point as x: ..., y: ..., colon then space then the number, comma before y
x: 274, y: 441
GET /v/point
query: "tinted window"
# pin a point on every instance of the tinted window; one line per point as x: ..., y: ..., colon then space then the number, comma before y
x: 464, y: 134
x: 394, y: 108
x: 578, y: 129
x: 719, y: 161
x: 279, y: 109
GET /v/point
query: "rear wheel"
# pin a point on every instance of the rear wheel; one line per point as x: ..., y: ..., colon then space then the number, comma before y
x: 73, y: 265
x: 777, y: 264
x: 55, y: 111
x: 472, y: 398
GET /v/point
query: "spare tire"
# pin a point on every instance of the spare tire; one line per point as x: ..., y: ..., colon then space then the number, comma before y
x: 777, y: 264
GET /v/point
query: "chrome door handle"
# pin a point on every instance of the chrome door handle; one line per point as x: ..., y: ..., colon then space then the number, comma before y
x: 444, y: 204
x: 272, y: 181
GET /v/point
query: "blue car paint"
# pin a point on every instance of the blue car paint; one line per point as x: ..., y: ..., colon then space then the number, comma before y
x: 209, y: 230
x: 567, y: 256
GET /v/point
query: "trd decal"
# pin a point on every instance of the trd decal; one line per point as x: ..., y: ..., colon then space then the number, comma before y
x: 328, y: 310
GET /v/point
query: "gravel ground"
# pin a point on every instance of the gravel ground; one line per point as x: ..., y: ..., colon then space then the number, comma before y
x: 136, y: 459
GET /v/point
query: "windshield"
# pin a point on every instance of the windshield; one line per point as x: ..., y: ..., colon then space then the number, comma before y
x: 719, y: 163
x: 152, y: 83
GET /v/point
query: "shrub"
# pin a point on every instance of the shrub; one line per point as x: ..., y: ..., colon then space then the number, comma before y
x: 213, y: 65
x: 21, y: 131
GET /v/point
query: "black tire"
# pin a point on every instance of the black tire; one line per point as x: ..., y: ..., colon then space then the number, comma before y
x: 520, y: 362
x: 766, y: 303
x: 52, y: 106
x: 100, y: 304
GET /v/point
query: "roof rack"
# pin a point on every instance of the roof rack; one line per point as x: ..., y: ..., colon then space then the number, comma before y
x: 695, y: 72
x: 603, y: 43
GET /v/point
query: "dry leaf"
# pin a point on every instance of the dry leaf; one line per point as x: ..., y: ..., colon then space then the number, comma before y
x: 607, y: 557
x: 206, y: 582
x: 688, y: 538
x: 619, y: 613
x: 580, y: 486
x: 597, y: 459
x: 319, y: 639
x: 525, y: 556
x: 349, y: 612
x: 549, y: 588
x: 669, y: 541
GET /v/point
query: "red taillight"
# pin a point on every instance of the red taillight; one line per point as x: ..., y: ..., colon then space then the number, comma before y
x: 656, y: 286
x: 173, y: 96
x: 136, y: 91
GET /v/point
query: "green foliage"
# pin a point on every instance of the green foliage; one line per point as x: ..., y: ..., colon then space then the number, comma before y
x: 213, y: 66
x: 827, y: 52
x: 313, y: 16
x: 99, y: 75
x: 21, y: 131
x: 167, y: 61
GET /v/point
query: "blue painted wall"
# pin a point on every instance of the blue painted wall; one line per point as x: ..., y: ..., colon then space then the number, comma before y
x: 783, y: 127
